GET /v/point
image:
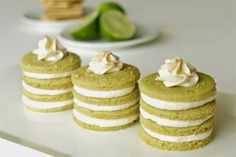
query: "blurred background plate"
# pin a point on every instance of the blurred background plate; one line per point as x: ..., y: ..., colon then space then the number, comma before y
x: 145, y: 33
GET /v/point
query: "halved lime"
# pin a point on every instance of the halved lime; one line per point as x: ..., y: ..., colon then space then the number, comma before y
x: 116, y: 26
x: 89, y: 29
x: 110, y: 6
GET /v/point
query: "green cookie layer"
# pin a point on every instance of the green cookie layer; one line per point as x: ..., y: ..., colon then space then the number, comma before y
x: 59, y: 83
x: 156, y: 89
x: 132, y: 110
x: 172, y: 146
x: 124, y: 78
x: 173, y: 131
x: 48, y: 98
x: 98, y: 128
x: 30, y: 63
x: 190, y: 114
x: 109, y: 101
x: 56, y: 109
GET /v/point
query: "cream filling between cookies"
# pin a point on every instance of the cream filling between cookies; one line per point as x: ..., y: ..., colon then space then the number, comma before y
x: 179, y: 139
x: 46, y: 105
x: 48, y: 76
x: 39, y: 91
x: 105, y: 107
x: 173, y: 123
x: 104, y: 122
x: 104, y: 94
x: 168, y: 105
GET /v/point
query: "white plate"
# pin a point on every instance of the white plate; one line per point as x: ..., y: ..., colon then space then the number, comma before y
x: 34, y: 20
x: 57, y: 134
x: 145, y: 33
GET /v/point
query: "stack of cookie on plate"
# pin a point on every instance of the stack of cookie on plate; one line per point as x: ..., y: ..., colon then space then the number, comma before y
x: 177, y: 107
x: 62, y: 9
x: 47, y: 85
x: 106, y: 95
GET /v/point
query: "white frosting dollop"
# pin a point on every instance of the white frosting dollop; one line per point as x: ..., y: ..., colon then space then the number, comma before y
x: 105, y: 62
x: 177, y: 72
x: 50, y: 49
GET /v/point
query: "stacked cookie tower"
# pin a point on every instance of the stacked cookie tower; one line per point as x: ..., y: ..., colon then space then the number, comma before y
x: 177, y: 107
x: 105, y: 94
x: 47, y: 85
x: 62, y: 9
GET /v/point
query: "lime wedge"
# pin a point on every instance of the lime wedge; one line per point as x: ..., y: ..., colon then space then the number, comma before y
x: 116, y: 26
x: 110, y: 6
x: 88, y: 30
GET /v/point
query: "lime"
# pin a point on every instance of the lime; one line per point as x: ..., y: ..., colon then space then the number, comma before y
x: 110, y: 6
x: 116, y: 26
x: 89, y: 29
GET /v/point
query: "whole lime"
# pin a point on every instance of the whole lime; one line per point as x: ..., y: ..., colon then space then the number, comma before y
x: 88, y: 30
x: 110, y: 6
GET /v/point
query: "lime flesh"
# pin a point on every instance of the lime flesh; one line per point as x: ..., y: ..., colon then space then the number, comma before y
x: 116, y: 26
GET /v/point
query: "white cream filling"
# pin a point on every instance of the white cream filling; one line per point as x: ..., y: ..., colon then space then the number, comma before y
x: 45, y: 105
x: 179, y: 139
x: 105, y: 108
x: 39, y: 91
x: 47, y: 76
x: 104, y: 94
x: 104, y: 122
x: 167, y: 105
x: 173, y: 123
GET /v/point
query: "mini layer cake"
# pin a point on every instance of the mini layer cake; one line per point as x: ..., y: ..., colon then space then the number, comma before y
x: 105, y: 94
x: 47, y: 85
x: 177, y: 107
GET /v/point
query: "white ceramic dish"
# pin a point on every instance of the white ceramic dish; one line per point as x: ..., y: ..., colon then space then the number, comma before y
x: 145, y: 33
x: 58, y: 135
x: 33, y: 19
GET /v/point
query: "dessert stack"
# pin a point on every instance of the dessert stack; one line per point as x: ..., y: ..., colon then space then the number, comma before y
x: 106, y: 95
x: 47, y: 70
x: 177, y: 107
x: 62, y: 9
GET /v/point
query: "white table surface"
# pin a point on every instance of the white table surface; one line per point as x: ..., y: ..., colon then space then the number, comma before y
x: 203, y: 32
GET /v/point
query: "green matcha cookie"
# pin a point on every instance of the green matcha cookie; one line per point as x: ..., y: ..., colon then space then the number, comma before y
x: 30, y: 63
x: 56, y: 109
x: 132, y: 110
x: 50, y: 84
x: 124, y: 78
x: 172, y: 146
x: 48, y: 98
x: 156, y: 89
x: 172, y: 131
x: 134, y: 95
x: 190, y: 114
x: 98, y: 128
